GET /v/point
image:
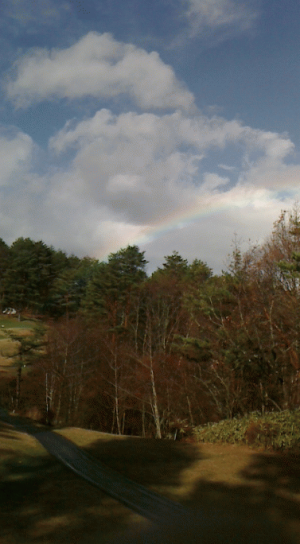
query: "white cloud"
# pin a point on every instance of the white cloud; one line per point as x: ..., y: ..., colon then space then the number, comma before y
x: 206, y: 16
x: 273, y: 175
x: 99, y: 66
x: 247, y: 211
x: 124, y: 182
x: 213, y: 181
x: 162, y: 134
x: 227, y: 167
x: 143, y: 165
x: 30, y: 15
x: 135, y: 177
x: 16, y: 150
x: 149, y: 178
x: 274, y: 145
x: 114, y: 235
x: 145, y: 172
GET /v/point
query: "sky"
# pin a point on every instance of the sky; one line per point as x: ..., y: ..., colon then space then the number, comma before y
x: 172, y: 125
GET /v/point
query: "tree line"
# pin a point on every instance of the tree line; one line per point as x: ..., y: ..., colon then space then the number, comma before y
x: 155, y: 355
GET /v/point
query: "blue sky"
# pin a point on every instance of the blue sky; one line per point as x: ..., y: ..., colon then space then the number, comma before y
x: 169, y: 124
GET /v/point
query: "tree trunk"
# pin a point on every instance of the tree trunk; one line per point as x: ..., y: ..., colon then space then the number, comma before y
x: 143, y: 421
x: 190, y: 411
x: 123, y: 421
x: 117, y: 400
x: 154, y: 404
x: 47, y: 397
x: 58, y: 408
x: 113, y: 421
x: 18, y: 386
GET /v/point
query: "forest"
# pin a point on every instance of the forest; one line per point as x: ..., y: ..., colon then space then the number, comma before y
x: 118, y: 351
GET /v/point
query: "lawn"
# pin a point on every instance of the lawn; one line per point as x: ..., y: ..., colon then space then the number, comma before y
x: 42, y: 501
x: 13, y: 323
x: 48, y: 503
x: 8, y: 347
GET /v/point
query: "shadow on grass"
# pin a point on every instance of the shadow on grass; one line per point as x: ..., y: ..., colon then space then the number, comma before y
x: 7, y: 432
x: 279, y: 478
x: 271, y: 483
x: 147, y: 461
x: 268, y: 492
x: 277, y: 472
x: 244, y: 502
x: 42, y: 501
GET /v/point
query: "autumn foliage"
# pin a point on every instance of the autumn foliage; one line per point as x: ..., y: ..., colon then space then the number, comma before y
x: 156, y: 356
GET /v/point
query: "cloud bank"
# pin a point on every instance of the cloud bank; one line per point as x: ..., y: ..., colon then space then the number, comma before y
x: 148, y: 176
x: 97, y: 66
x: 223, y: 16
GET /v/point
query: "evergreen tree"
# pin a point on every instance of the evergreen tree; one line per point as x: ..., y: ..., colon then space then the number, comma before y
x: 114, y: 283
x: 4, y: 265
x: 30, y: 271
x: 28, y: 350
x: 174, y: 266
x: 290, y: 267
x: 199, y: 271
x: 69, y: 287
x: 27, y: 279
x: 113, y: 295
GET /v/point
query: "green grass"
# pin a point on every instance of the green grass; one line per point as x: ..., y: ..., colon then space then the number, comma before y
x: 8, y: 347
x: 14, y: 323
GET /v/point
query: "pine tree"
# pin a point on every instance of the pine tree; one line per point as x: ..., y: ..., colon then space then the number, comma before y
x: 27, y: 279
x: 28, y: 349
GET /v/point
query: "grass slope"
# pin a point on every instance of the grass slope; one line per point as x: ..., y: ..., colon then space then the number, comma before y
x: 42, y: 501
x: 7, y: 346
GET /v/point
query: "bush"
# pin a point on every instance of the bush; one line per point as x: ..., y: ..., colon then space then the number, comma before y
x: 274, y: 430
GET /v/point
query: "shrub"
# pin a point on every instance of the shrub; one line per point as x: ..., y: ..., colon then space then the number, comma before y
x: 274, y: 430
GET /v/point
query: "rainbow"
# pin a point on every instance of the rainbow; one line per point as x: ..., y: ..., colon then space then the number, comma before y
x: 237, y: 198
x: 184, y: 217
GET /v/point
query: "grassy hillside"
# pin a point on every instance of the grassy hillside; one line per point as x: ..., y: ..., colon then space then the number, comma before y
x: 41, y: 500
x: 8, y: 347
